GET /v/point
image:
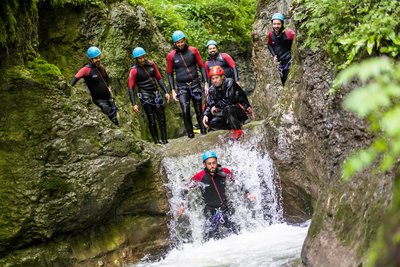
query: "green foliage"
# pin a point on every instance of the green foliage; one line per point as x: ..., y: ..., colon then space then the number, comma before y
x: 349, y: 30
x: 229, y: 21
x: 378, y: 101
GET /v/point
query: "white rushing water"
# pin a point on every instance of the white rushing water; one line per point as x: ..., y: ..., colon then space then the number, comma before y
x: 264, y: 239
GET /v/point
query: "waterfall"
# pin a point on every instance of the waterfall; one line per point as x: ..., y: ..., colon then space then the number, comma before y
x: 253, y: 170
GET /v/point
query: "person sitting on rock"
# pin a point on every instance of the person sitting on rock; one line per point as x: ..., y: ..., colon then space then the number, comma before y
x: 227, y: 105
x: 280, y: 45
x: 97, y: 80
x: 144, y: 74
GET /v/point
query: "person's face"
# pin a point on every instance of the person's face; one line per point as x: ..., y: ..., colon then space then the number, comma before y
x: 212, y: 50
x: 277, y: 25
x: 181, y: 43
x: 141, y: 60
x: 216, y: 80
x: 211, y: 165
x: 96, y: 61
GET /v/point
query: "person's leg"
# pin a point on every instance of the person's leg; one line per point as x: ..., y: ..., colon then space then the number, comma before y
x: 162, y: 121
x: 109, y: 108
x: 218, y: 122
x: 284, y: 70
x: 211, y: 228
x: 235, y: 116
x: 151, y: 117
x: 196, y: 96
x: 184, y: 100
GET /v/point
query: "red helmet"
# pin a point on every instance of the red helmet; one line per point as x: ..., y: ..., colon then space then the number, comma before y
x: 216, y: 70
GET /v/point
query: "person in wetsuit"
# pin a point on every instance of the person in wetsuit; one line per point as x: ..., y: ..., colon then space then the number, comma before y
x: 144, y: 74
x: 185, y: 60
x: 97, y: 80
x: 279, y: 44
x: 227, y: 104
x: 220, y: 59
x: 212, y: 181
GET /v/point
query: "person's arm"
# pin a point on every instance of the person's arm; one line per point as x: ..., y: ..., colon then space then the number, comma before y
x: 170, y: 73
x: 160, y: 79
x: 232, y: 65
x: 229, y: 175
x: 244, y: 101
x: 192, y: 184
x: 131, y: 88
x: 83, y: 72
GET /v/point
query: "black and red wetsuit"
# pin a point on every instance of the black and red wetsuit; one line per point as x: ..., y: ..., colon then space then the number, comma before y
x: 145, y: 78
x: 97, y: 79
x: 232, y: 104
x: 281, y: 46
x: 213, y: 189
x: 185, y: 64
x: 227, y: 64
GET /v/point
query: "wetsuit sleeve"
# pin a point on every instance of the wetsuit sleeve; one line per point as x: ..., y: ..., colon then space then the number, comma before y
x: 231, y: 64
x: 269, y: 44
x: 290, y: 34
x: 83, y: 72
x: 241, y: 96
x: 170, y: 70
x: 131, y: 85
x: 199, y: 62
x: 204, y: 75
x: 207, y: 71
x: 160, y: 79
x: 163, y: 86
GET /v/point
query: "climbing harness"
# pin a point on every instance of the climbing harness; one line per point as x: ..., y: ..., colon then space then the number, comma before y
x: 216, y: 220
x: 158, y: 101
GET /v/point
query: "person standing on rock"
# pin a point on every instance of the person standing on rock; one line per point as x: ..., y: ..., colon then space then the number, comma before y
x: 279, y: 43
x: 185, y: 61
x: 212, y: 181
x: 227, y: 105
x: 220, y: 59
x: 144, y: 74
x: 97, y: 80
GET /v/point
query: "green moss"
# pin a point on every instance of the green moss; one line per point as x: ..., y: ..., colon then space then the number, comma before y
x: 43, y: 72
x: 345, y: 223
x: 316, y: 224
x: 55, y: 187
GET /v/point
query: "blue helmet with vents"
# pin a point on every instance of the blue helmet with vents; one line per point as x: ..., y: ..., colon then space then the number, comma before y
x: 93, y: 52
x: 138, y: 52
x: 177, y: 35
x: 211, y: 42
x: 278, y: 16
x: 209, y: 154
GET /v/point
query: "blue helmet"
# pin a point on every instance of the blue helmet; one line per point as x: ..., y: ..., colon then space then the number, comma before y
x: 211, y: 42
x: 278, y: 16
x: 93, y: 52
x: 177, y: 35
x: 138, y: 52
x: 209, y: 154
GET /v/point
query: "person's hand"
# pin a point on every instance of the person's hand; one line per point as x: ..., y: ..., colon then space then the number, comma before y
x: 167, y: 96
x: 238, y: 83
x: 251, y: 197
x: 214, y: 110
x: 250, y: 110
x: 180, y: 211
x: 205, y: 121
x: 136, y: 108
x: 206, y: 89
x: 276, y: 59
x: 174, y: 96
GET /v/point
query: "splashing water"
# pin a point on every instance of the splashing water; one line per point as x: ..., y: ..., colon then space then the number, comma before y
x: 264, y: 239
